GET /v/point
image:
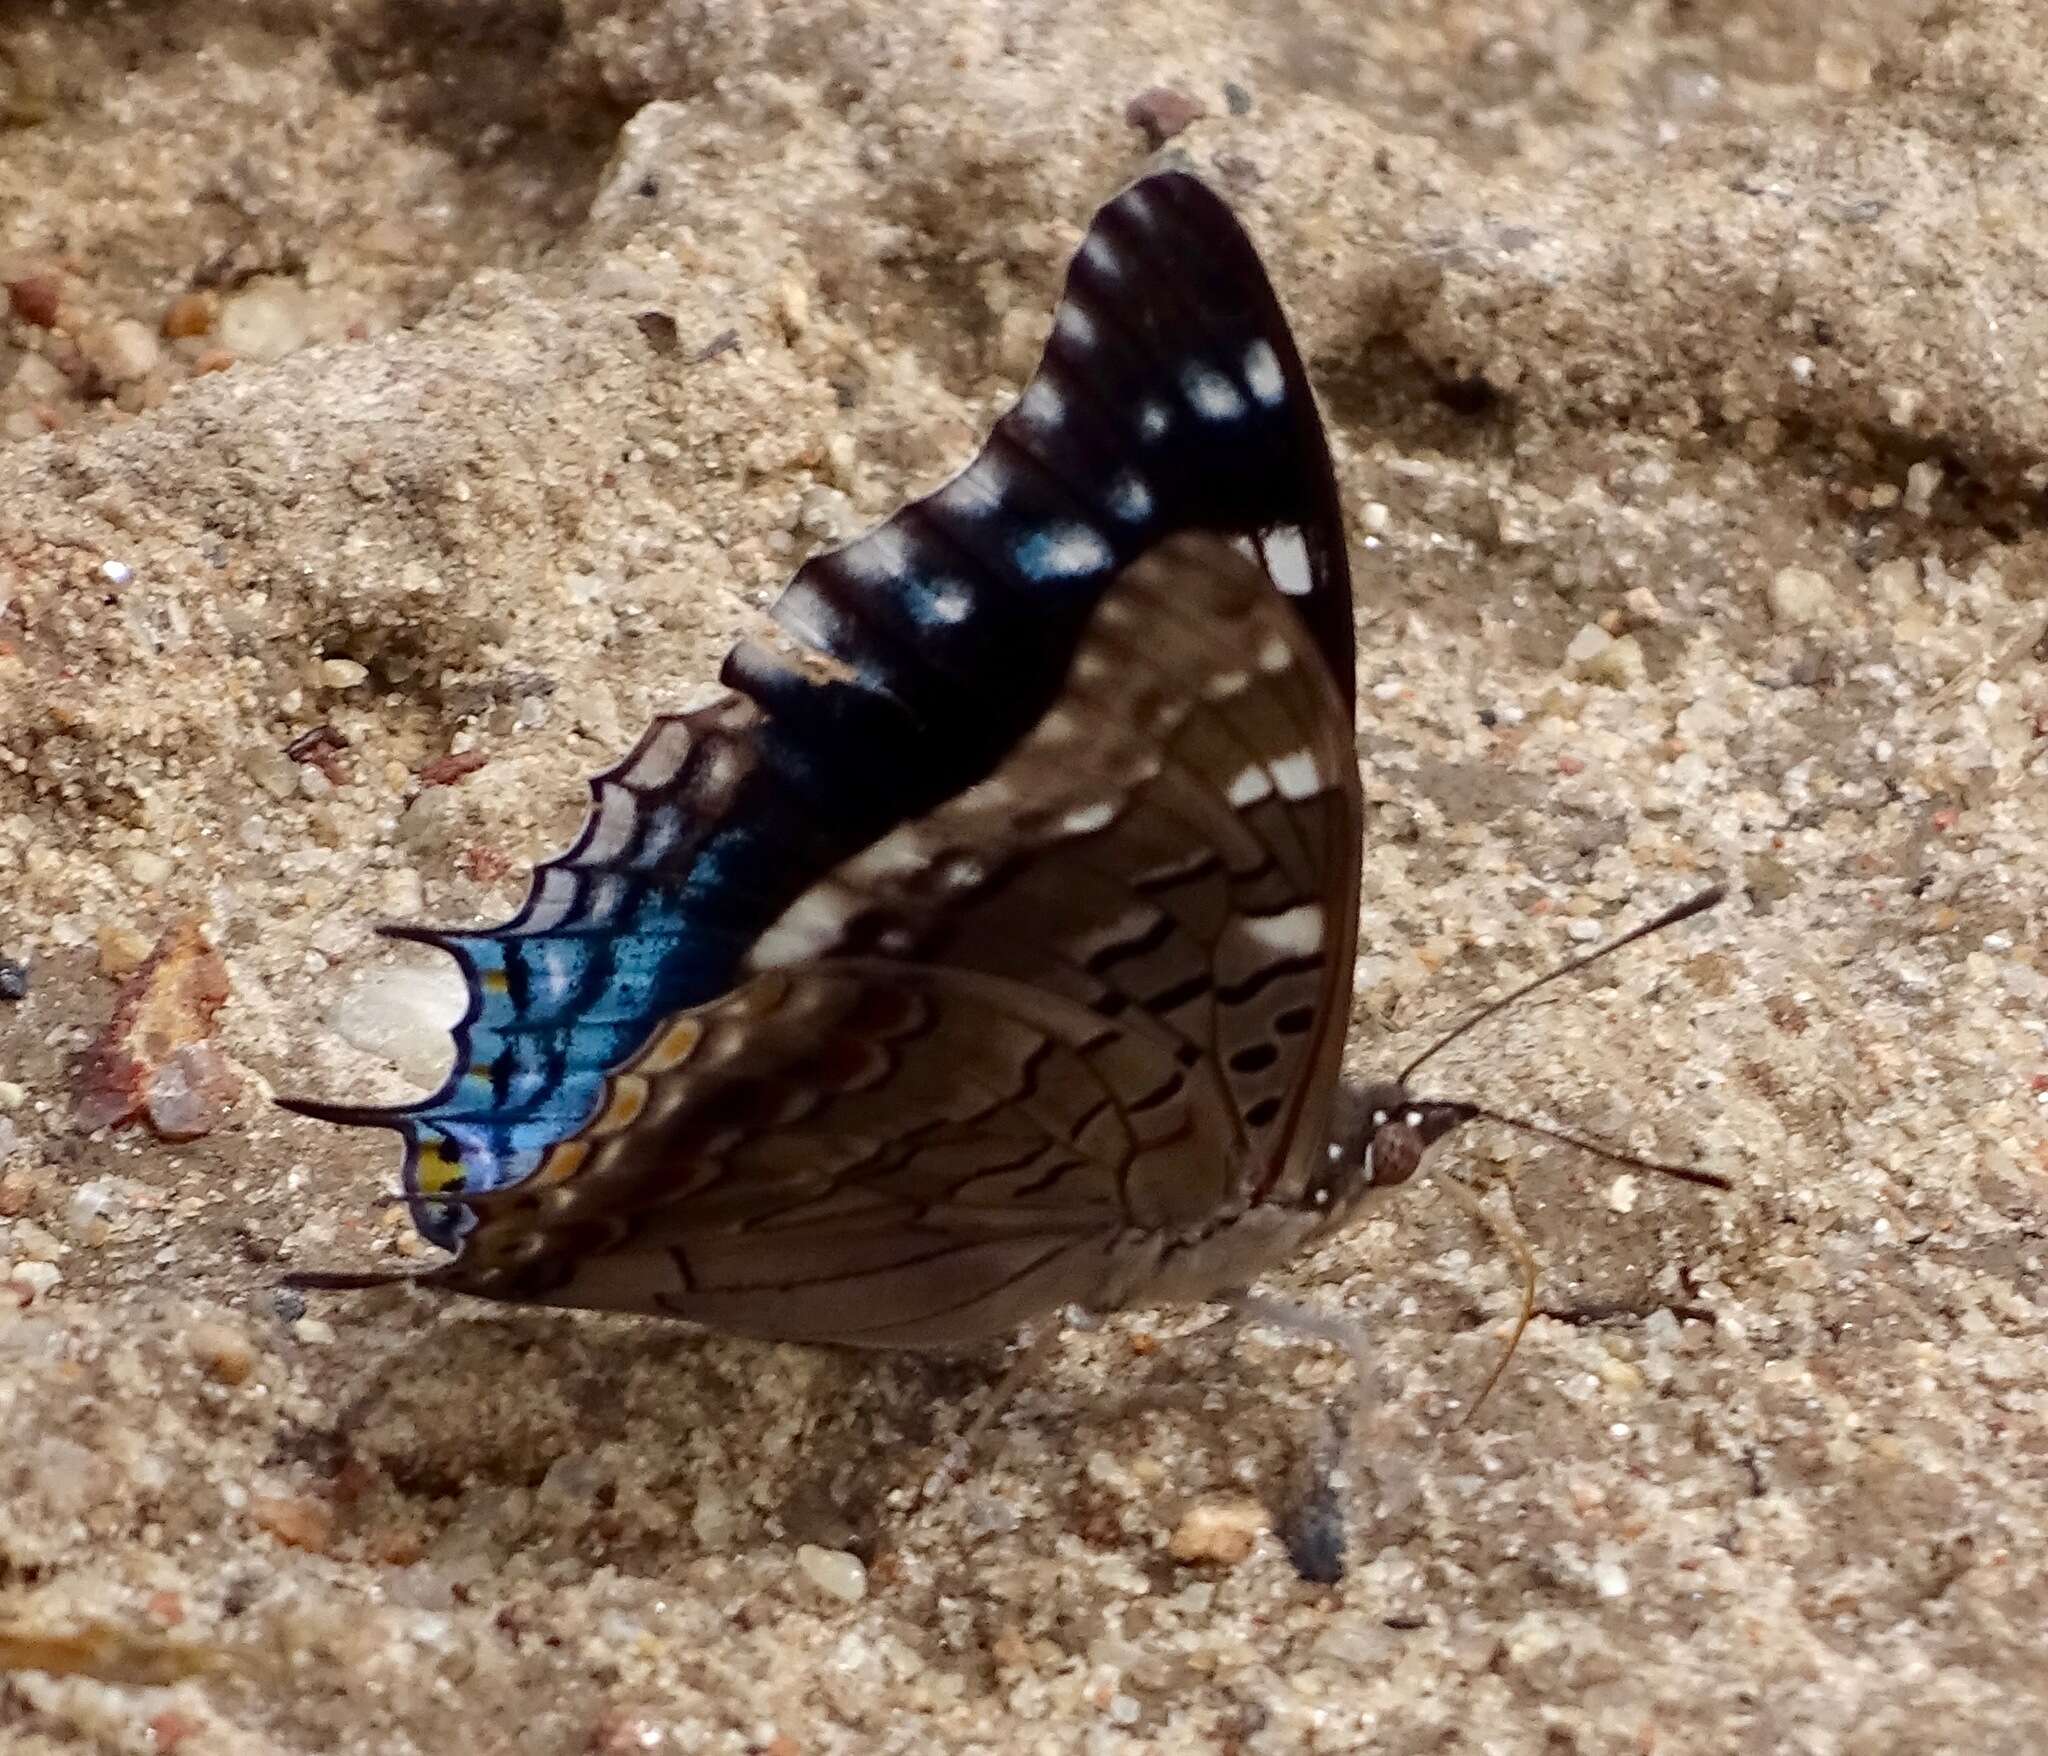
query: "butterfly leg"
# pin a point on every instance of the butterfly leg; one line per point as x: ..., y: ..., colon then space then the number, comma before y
x: 1511, y: 1236
x: 1023, y: 1364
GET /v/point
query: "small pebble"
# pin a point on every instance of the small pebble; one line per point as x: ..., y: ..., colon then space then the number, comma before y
x: 190, y: 1093
x: 1587, y: 645
x: 1799, y: 597
x: 224, y: 1354
x: 834, y: 1572
x: 146, y: 868
x: 1618, y: 664
x: 36, y: 299
x: 271, y: 769
x: 1923, y: 482
x: 122, y: 950
x: 1218, y: 1532
x: 120, y: 352
x: 13, y: 980
x: 90, y: 1206
x: 36, y: 1278
x: 341, y: 673
x: 294, y: 1520
x: 1622, y: 1192
x: 264, y: 321
x: 1161, y: 112
x: 404, y: 1015
x: 189, y: 314
x: 1609, y: 1580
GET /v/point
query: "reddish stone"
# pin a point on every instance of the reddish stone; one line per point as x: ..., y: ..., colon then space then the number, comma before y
x: 155, y: 1058
x: 1162, y: 112
x: 445, y: 771
x: 36, y: 299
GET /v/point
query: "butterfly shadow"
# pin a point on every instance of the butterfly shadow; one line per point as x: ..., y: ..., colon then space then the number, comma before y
x: 465, y: 1439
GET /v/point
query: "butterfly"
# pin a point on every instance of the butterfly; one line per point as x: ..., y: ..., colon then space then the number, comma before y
x: 987, y: 948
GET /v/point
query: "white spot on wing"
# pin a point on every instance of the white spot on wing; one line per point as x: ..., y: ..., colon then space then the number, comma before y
x: 812, y: 924
x: 664, y: 830
x: 1251, y: 785
x: 1212, y: 395
x: 1042, y: 405
x: 805, y: 611
x: 604, y: 899
x: 1262, y: 372
x: 1297, y: 776
x: 1153, y: 420
x: 948, y: 602
x: 1130, y: 499
x: 1087, y: 819
x: 1101, y: 255
x: 880, y: 555
x: 1275, y: 655
x: 977, y: 490
x: 557, y: 964
x: 1075, y: 325
x: 551, y: 907
x: 1297, y: 929
x: 899, y: 854
x: 1064, y: 551
x: 1287, y: 560
x: 616, y: 819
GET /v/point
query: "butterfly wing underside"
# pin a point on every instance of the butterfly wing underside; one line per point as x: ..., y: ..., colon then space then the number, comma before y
x: 1165, y: 461
x: 1006, y: 1057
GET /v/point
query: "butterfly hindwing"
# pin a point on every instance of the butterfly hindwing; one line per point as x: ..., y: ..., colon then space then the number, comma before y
x: 867, y: 1153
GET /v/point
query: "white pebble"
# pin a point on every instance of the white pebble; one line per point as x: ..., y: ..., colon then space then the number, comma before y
x: 1609, y: 1580
x: 403, y: 1015
x: 146, y: 868
x: 834, y: 1572
x: 1587, y: 645
x: 1923, y: 481
x: 1800, y: 597
x: 35, y: 1278
x: 1622, y: 1192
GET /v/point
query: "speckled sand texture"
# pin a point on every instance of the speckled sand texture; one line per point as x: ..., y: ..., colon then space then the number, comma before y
x: 462, y: 375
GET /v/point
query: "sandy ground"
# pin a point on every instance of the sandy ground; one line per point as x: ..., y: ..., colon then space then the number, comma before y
x: 334, y: 400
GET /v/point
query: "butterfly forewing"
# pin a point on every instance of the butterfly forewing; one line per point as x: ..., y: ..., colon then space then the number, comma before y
x: 1012, y: 905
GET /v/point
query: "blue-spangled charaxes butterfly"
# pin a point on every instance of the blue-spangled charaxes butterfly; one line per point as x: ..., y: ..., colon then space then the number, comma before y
x: 987, y: 949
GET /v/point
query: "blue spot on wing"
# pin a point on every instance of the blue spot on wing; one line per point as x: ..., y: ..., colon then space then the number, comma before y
x: 1154, y: 410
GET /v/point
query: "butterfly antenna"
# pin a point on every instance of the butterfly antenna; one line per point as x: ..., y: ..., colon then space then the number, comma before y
x: 1685, y: 911
x: 1517, y: 1245
x: 1613, y: 1155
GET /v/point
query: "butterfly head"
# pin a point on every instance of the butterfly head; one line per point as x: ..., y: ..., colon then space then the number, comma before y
x: 1394, y: 1128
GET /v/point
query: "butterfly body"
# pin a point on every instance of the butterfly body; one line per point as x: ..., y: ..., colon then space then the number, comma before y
x: 989, y: 948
